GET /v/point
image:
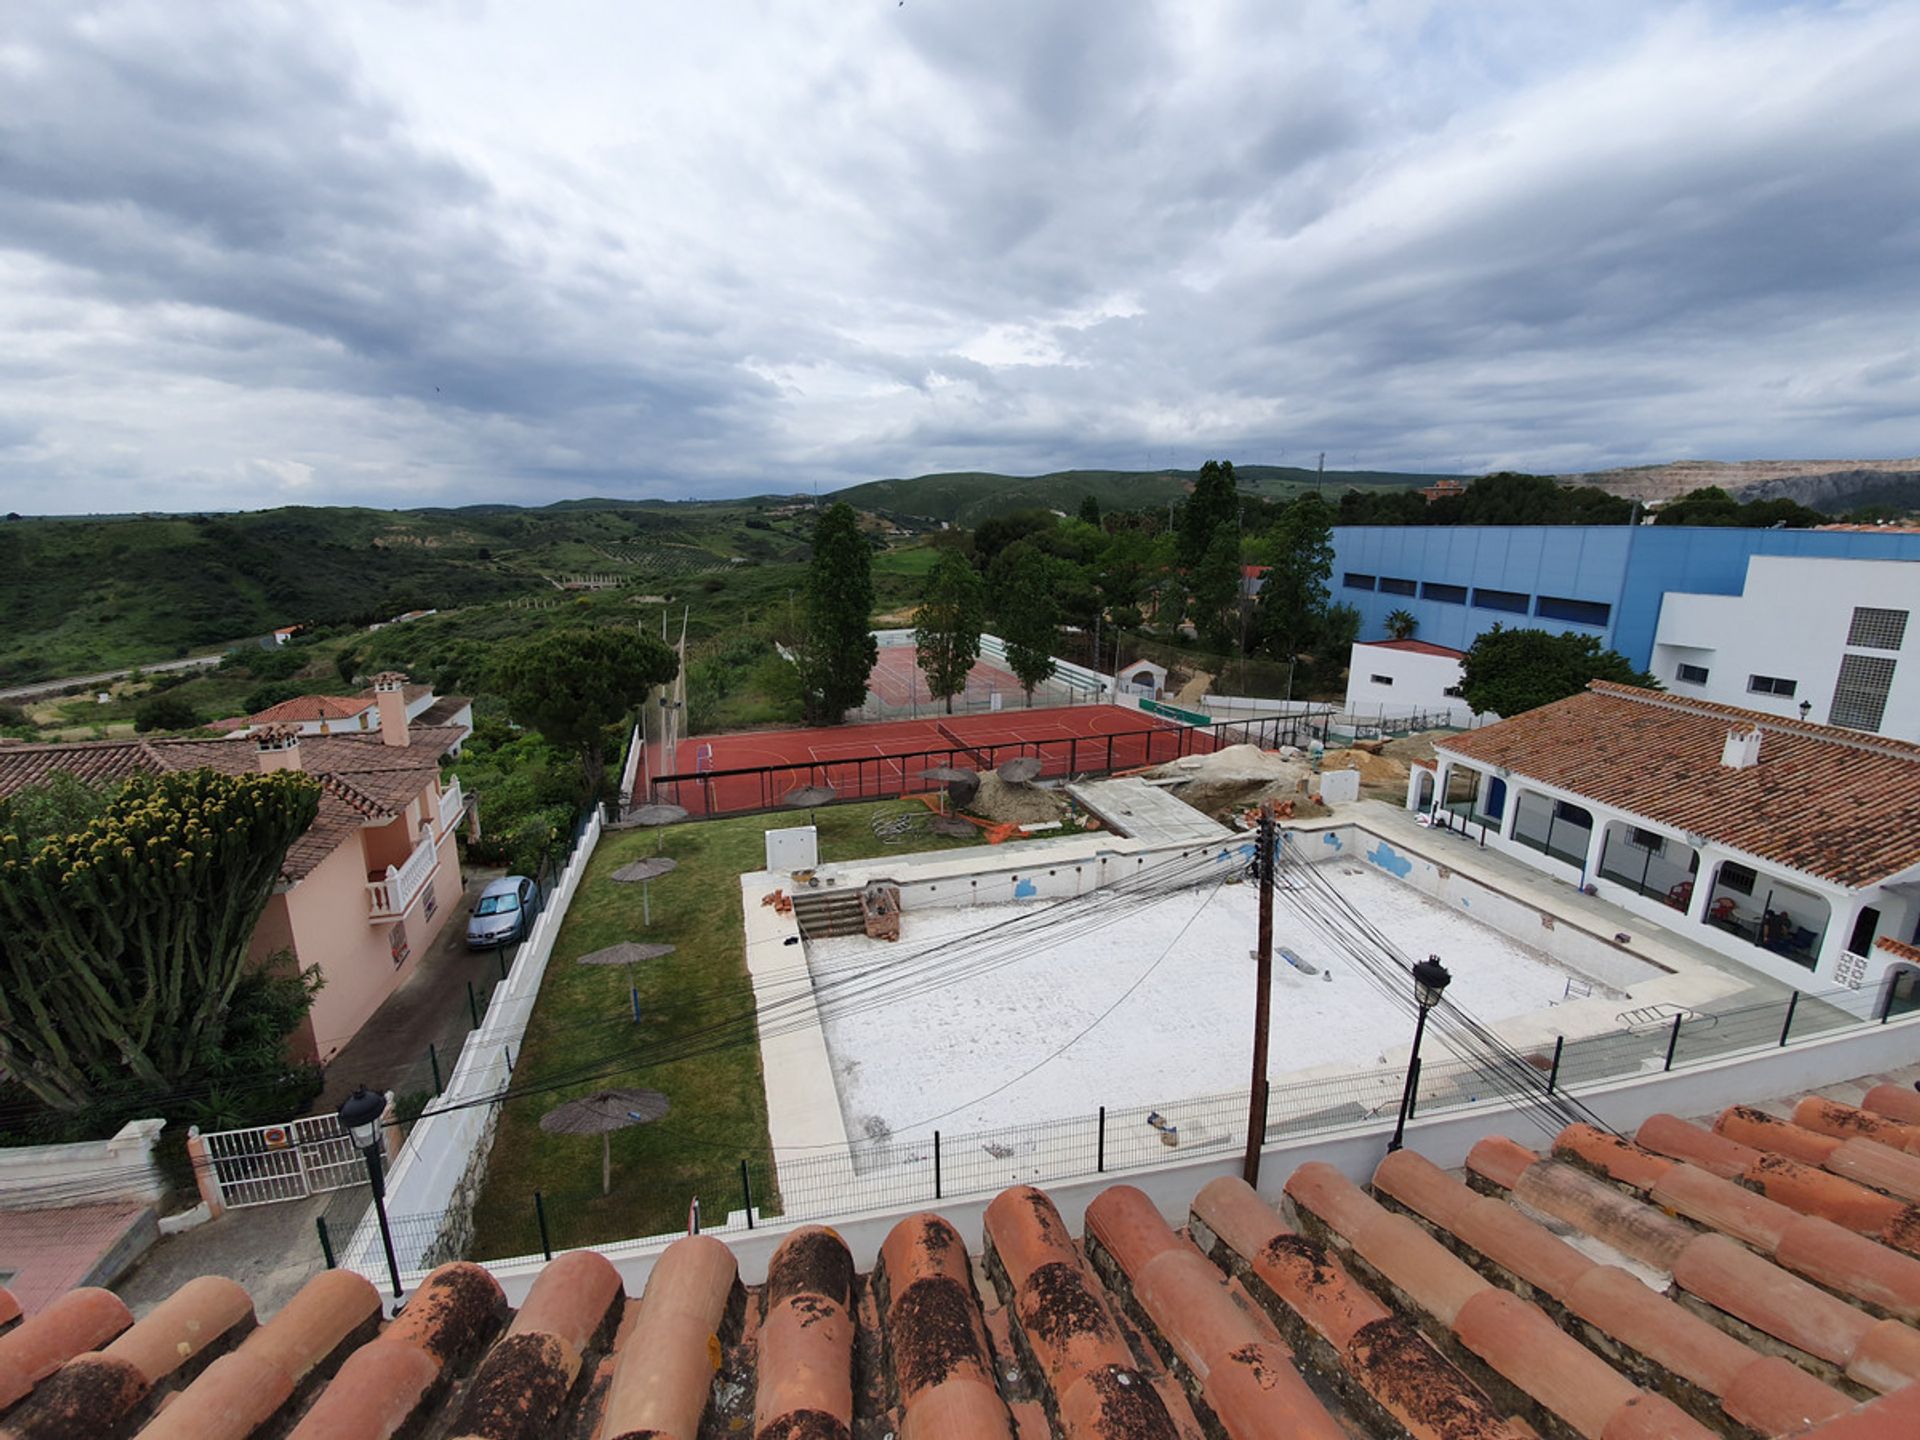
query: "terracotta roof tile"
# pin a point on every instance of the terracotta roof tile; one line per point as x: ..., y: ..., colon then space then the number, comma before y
x: 1895, y: 1102
x: 304, y: 709
x: 1833, y: 803
x: 1240, y: 1328
x: 1416, y: 647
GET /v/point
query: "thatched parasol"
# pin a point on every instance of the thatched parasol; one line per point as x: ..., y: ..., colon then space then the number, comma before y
x: 808, y: 796
x: 628, y: 953
x: 645, y: 872
x: 656, y: 817
x: 1020, y: 769
x: 601, y: 1114
x: 962, y: 784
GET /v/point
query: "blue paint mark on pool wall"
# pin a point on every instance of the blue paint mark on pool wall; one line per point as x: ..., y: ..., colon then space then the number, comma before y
x: 1025, y: 889
x: 1331, y: 838
x: 1390, y: 860
x: 1232, y: 852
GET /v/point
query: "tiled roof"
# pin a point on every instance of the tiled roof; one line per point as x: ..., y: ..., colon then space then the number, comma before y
x: 1838, y: 804
x: 1416, y: 647
x: 362, y: 778
x: 304, y: 708
x: 442, y: 711
x: 1665, y: 1302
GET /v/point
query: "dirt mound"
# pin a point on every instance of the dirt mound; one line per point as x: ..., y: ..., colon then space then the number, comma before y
x: 1382, y: 770
x: 1412, y: 747
x: 1016, y: 804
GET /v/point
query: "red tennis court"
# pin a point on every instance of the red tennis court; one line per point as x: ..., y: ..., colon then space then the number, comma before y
x: 732, y: 774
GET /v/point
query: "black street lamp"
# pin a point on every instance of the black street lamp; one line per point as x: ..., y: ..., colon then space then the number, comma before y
x: 360, y: 1116
x: 1430, y: 981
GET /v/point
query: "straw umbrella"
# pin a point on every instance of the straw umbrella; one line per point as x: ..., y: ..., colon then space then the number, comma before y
x: 628, y: 953
x: 601, y: 1114
x: 961, y: 785
x: 808, y: 796
x: 656, y: 817
x: 644, y: 873
x: 1021, y: 769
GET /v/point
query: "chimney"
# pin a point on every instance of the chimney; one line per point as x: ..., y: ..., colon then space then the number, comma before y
x: 279, y: 747
x: 1742, y: 749
x: 389, y: 689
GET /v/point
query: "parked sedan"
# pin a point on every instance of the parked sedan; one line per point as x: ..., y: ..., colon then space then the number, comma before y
x: 503, y: 913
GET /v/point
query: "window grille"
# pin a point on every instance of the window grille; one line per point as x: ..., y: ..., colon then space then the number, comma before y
x: 1692, y: 674
x: 1381, y: 679
x: 1446, y: 594
x: 1354, y: 580
x: 1513, y: 601
x: 1580, y: 612
x: 1736, y: 877
x: 1874, y: 629
x: 1393, y: 585
x: 1860, y: 694
x: 1770, y: 685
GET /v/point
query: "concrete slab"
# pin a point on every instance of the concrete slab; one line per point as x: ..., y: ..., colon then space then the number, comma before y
x: 1144, y: 812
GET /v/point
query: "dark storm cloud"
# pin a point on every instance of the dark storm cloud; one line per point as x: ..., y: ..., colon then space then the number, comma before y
x: 432, y: 253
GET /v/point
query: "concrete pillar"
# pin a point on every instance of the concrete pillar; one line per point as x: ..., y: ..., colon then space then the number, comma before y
x: 390, y: 1135
x: 204, y: 1178
x: 1596, y: 842
x: 1840, y: 923
x: 1702, y: 885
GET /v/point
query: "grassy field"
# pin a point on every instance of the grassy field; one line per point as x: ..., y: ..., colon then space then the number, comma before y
x: 582, y: 1022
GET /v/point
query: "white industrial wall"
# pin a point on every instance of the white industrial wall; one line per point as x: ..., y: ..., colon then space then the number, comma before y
x: 1791, y: 622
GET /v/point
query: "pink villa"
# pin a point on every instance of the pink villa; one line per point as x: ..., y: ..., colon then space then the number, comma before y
x: 364, y: 892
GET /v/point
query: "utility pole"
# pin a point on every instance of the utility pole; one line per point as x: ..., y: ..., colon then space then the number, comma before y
x: 1262, y: 1002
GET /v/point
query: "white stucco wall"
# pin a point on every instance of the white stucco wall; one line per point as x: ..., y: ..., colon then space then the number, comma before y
x: 1392, y: 682
x: 1791, y: 623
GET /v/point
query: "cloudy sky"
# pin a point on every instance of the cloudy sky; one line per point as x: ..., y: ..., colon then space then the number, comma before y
x: 435, y: 253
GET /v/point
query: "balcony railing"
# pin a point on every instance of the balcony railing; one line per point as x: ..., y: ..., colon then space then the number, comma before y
x: 452, y: 801
x: 389, y: 896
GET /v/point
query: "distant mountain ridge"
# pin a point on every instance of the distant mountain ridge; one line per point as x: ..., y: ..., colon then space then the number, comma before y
x: 967, y: 497
x: 1830, y: 485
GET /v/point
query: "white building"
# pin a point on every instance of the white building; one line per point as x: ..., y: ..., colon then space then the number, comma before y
x: 1396, y: 678
x: 1143, y: 677
x: 1815, y: 639
x: 1793, y: 848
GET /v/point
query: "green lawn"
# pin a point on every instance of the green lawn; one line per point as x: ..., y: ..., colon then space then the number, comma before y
x: 718, y: 1115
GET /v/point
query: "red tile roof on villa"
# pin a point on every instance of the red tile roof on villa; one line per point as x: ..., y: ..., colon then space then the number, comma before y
x: 362, y: 780
x: 1425, y: 1305
x: 1838, y: 804
x: 303, y: 709
x: 1416, y: 647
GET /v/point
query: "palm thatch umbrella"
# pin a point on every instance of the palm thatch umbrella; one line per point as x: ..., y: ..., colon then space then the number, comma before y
x: 601, y: 1114
x: 628, y: 953
x: 962, y: 784
x: 644, y: 873
x: 808, y: 796
x: 1020, y: 769
x: 656, y: 817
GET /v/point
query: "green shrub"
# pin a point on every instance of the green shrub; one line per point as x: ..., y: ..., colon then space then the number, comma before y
x: 165, y: 712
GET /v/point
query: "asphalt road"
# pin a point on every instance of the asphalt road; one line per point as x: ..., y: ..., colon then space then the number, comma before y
x: 48, y: 687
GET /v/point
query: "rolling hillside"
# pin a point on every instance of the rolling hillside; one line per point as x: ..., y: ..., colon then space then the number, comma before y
x: 967, y: 497
x: 1831, y: 485
x: 90, y: 594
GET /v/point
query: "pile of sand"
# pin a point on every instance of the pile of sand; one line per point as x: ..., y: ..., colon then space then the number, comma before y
x: 1234, y: 762
x: 1381, y: 770
x: 1016, y: 804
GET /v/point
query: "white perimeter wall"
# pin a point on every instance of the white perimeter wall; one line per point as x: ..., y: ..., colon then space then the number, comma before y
x: 1791, y: 622
x: 118, y: 1168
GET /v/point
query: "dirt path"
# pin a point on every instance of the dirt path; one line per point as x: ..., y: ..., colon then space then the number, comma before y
x: 1190, y: 693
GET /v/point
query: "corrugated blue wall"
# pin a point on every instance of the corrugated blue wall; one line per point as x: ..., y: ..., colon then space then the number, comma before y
x: 1629, y: 569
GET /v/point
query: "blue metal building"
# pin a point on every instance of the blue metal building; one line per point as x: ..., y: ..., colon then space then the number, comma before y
x: 1604, y: 580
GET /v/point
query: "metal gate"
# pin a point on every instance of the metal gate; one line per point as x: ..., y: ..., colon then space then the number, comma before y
x: 284, y: 1162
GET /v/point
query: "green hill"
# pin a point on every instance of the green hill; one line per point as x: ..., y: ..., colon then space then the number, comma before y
x: 85, y: 594
x: 969, y: 496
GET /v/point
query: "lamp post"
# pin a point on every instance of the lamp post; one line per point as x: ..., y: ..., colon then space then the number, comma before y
x: 1806, y: 708
x: 1430, y: 980
x: 360, y: 1116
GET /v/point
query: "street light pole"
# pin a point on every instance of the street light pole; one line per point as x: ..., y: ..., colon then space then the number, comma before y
x: 1430, y: 980
x: 1262, y: 1000
x: 360, y: 1116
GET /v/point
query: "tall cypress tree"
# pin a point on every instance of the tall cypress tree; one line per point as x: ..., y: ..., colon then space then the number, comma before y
x: 838, y: 649
x: 1215, y: 502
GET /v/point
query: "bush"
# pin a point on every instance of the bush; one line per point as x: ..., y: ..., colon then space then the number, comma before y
x: 12, y: 717
x: 165, y: 712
